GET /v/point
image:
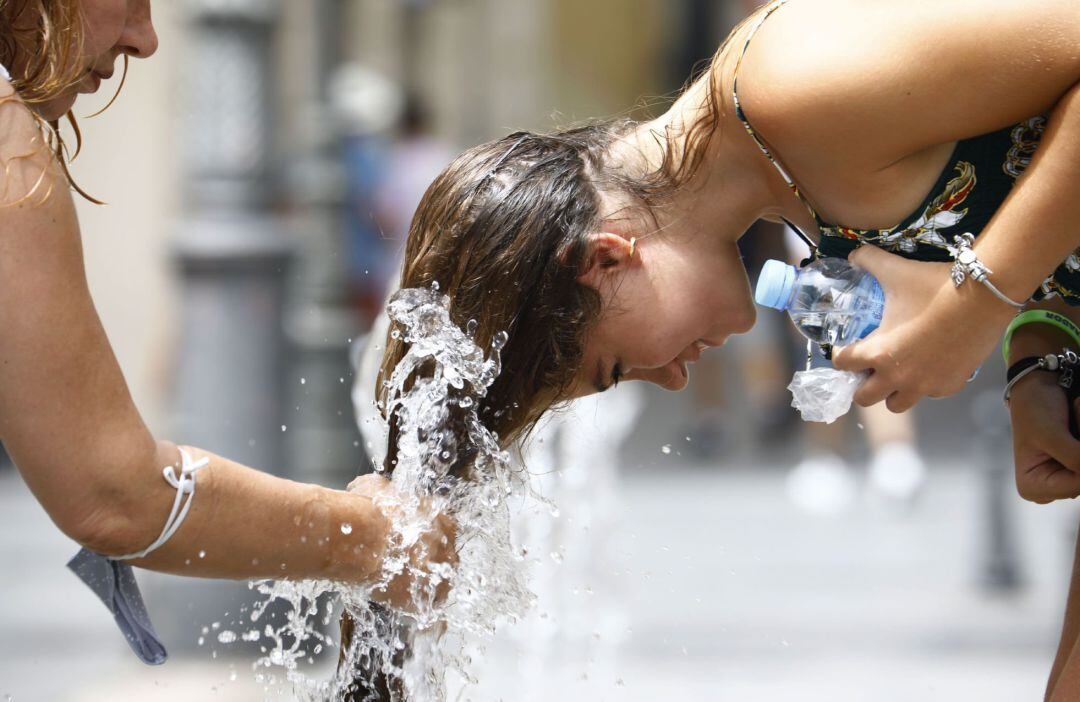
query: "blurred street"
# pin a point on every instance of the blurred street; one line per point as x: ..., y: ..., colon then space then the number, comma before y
x: 726, y: 591
x: 262, y: 171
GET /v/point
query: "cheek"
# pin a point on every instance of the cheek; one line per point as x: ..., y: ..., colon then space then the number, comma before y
x: 104, y: 23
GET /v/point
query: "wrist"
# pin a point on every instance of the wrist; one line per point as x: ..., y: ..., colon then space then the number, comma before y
x: 1037, y: 340
x: 1041, y: 327
x: 357, y: 538
x: 974, y: 301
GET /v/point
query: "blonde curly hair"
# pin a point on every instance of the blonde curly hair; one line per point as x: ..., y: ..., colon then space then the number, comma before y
x: 41, y: 43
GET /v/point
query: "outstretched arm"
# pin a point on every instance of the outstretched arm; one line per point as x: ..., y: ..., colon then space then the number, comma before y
x: 70, y: 425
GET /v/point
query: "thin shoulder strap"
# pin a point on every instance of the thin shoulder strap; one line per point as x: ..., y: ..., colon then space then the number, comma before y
x: 758, y: 140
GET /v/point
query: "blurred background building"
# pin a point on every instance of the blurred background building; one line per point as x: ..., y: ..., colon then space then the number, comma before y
x: 260, y: 171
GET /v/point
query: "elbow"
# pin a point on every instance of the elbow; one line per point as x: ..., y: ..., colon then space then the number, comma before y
x: 114, y: 515
x: 106, y: 529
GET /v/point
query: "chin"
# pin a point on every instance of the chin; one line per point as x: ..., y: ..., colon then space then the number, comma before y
x: 56, y: 108
x: 678, y: 380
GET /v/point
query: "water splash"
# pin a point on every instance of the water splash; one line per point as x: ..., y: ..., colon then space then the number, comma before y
x: 447, y: 463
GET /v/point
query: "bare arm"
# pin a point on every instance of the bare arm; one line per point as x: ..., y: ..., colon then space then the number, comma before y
x: 69, y: 422
x: 1064, y: 682
x: 885, y: 81
x: 869, y: 83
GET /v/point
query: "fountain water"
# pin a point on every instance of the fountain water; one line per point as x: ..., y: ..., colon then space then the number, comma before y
x: 448, y: 463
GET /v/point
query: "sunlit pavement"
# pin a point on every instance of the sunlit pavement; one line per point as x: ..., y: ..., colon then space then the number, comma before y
x: 714, y: 588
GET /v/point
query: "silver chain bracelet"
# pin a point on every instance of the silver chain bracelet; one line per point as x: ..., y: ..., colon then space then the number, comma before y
x: 967, y: 264
x: 1064, y: 363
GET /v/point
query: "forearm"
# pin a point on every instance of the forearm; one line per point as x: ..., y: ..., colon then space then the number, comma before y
x: 248, y: 524
x: 1065, y: 658
x: 1036, y: 227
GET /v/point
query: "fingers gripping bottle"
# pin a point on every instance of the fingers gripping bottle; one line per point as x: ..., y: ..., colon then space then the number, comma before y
x: 830, y: 301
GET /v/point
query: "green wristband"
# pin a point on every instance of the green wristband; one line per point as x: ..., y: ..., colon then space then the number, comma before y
x: 1040, y: 317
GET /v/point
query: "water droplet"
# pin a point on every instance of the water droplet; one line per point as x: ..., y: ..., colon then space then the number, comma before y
x: 346, y: 528
x: 556, y: 556
x: 232, y: 676
x: 283, y: 427
x: 227, y: 636
x: 202, y: 640
x: 665, y: 449
x: 202, y: 554
x: 303, y: 381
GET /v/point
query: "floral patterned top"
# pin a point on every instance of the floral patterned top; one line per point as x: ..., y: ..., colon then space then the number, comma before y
x: 971, y: 188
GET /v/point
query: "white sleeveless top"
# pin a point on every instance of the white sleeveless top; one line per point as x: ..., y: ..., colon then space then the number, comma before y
x: 4, y: 73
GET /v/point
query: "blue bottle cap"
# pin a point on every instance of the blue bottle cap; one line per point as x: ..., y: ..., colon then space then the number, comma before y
x: 775, y: 283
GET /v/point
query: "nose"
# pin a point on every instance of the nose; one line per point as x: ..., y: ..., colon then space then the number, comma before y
x: 139, y: 39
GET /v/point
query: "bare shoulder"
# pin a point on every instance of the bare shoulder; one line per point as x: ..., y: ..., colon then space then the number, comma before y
x: 28, y: 168
x: 899, y: 76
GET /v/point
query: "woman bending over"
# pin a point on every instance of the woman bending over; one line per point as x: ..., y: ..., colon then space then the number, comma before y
x: 881, y: 130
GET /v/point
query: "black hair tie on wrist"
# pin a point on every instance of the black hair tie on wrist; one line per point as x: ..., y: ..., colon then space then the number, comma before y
x: 1065, y: 365
x: 1022, y: 365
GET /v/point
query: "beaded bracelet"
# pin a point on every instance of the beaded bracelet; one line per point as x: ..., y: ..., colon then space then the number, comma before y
x: 1064, y: 364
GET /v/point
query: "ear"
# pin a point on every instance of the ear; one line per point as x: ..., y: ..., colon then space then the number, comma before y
x: 606, y: 253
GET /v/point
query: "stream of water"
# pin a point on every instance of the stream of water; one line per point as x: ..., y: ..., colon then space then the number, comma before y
x: 448, y: 463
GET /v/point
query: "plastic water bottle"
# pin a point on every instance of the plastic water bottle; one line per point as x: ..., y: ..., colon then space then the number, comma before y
x: 830, y: 301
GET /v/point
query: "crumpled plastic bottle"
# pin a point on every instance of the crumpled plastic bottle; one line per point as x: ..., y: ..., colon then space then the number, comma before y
x: 824, y: 394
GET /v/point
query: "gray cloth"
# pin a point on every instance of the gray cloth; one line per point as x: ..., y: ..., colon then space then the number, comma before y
x: 114, y: 582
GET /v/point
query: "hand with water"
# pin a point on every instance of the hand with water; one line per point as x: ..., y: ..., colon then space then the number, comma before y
x: 933, y: 335
x: 1046, y: 454
x: 404, y: 574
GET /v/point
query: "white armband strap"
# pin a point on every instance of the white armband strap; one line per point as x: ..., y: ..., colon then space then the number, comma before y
x: 114, y: 582
x: 185, y: 486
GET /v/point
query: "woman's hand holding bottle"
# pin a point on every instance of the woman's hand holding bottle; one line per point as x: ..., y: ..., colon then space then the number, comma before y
x: 933, y: 335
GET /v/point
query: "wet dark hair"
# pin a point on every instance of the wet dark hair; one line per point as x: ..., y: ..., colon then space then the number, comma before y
x: 503, y: 231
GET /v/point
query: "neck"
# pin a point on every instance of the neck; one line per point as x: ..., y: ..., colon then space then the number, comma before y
x: 734, y: 185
